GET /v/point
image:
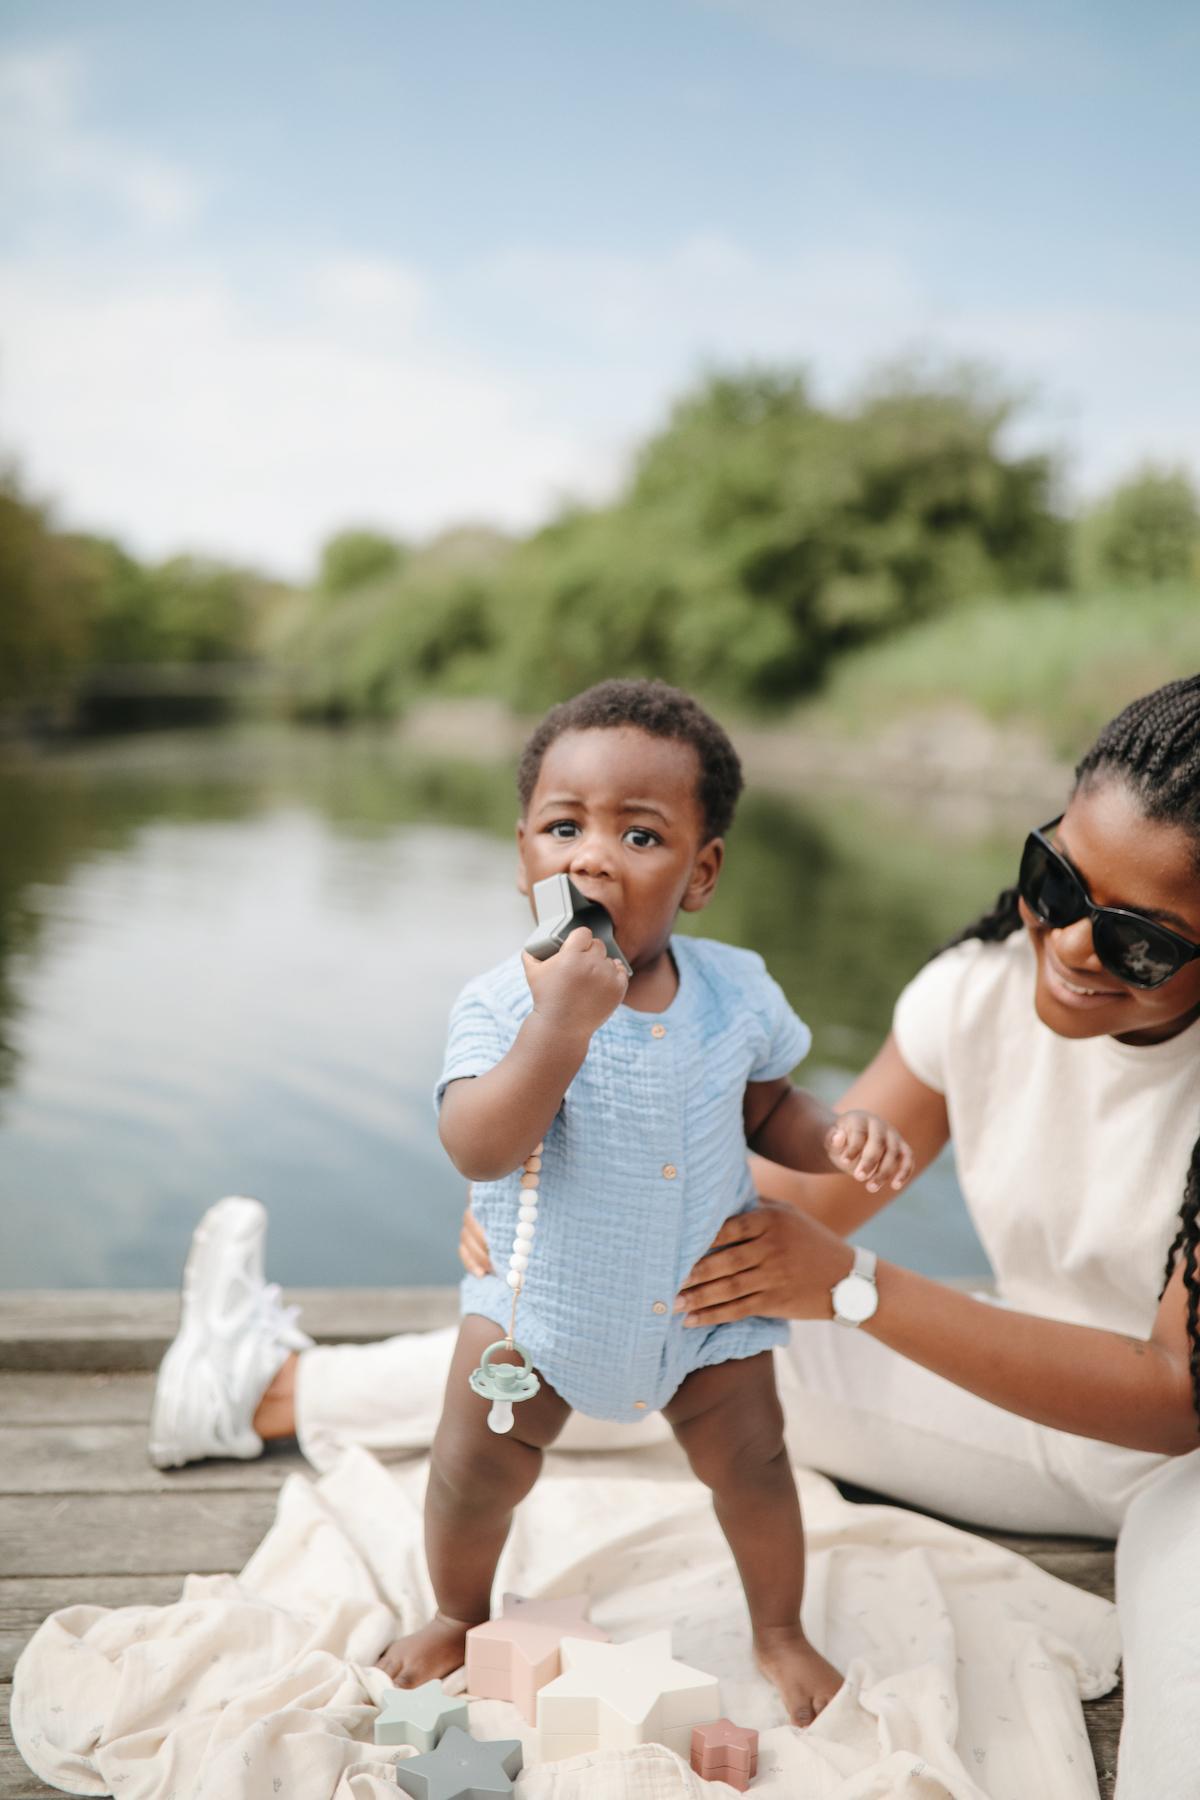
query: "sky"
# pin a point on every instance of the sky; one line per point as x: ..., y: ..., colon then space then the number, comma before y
x: 267, y: 271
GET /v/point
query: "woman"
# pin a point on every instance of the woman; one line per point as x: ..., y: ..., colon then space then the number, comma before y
x: 1058, y: 1042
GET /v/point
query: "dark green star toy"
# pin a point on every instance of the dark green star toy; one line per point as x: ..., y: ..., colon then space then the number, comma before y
x: 462, y: 1768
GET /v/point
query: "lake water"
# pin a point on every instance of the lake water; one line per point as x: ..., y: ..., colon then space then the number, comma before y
x: 227, y: 958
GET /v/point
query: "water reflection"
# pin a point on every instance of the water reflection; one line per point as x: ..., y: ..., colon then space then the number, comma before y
x: 226, y: 961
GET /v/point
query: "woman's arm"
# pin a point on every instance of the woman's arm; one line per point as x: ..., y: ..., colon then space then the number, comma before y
x: 780, y: 1262
x: 887, y: 1087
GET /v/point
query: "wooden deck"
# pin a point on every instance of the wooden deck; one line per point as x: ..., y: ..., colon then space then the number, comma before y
x: 84, y: 1517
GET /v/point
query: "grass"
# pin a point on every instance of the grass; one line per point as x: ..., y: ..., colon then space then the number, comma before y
x: 1061, y: 663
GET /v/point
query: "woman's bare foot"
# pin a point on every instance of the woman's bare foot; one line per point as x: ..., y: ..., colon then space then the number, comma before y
x: 806, y: 1682
x: 437, y: 1649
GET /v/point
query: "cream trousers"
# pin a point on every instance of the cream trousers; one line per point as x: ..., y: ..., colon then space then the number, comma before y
x: 860, y: 1413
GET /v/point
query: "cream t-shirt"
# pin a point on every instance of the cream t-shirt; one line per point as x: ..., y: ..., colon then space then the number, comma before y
x: 1071, y: 1153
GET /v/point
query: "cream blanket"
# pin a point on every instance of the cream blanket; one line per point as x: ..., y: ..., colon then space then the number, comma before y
x: 965, y: 1664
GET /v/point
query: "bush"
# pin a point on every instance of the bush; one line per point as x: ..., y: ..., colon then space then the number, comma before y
x: 356, y: 557
x: 1148, y: 530
x: 761, y: 535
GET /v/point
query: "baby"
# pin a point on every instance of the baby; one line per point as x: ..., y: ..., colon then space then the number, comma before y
x: 643, y: 1093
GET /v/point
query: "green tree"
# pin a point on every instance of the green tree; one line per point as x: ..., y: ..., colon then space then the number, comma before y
x: 47, y: 593
x: 353, y: 558
x: 395, y: 634
x: 761, y: 534
x: 1148, y: 530
x: 204, y: 611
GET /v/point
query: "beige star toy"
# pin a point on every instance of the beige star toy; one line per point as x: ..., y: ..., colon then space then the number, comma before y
x: 513, y: 1656
x: 612, y: 1696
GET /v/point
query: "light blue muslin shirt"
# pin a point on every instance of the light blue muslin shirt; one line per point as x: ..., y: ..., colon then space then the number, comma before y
x: 643, y: 1163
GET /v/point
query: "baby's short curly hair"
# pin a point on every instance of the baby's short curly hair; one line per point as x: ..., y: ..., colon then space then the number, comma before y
x: 662, y: 711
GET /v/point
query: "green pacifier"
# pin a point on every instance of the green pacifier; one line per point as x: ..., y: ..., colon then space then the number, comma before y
x: 503, y: 1383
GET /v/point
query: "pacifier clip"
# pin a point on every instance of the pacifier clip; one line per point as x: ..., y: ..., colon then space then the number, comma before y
x: 506, y: 1382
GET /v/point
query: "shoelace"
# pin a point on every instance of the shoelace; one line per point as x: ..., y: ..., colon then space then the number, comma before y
x: 270, y: 1316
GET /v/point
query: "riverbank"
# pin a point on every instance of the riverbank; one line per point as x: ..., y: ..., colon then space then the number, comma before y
x: 949, y: 752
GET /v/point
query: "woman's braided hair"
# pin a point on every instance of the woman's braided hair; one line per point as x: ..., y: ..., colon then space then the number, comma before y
x: 1154, y: 748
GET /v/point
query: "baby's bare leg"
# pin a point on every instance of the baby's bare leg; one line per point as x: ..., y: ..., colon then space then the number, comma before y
x: 476, y: 1478
x: 730, y: 1423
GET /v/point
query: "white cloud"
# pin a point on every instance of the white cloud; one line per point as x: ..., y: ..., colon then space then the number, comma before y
x: 369, y: 288
x: 1110, y: 384
x: 162, y: 407
x: 164, y: 404
x: 707, y: 295
x: 47, y: 147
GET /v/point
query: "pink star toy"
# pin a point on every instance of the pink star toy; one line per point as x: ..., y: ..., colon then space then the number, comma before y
x: 723, y: 1751
x: 513, y: 1656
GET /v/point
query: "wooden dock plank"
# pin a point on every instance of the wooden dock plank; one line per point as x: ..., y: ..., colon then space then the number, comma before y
x: 1103, y: 1721
x: 81, y: 1459
x: 31, y: 1397
x: 129, y: 1534
x: 17, y: 1781
x: 88, y: 1329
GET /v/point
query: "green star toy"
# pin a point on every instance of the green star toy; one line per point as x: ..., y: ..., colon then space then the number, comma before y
x: 419, y: 1716
x: 462, y: 1768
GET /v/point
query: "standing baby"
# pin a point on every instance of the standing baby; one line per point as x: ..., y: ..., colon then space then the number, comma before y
x: 645, y: 1092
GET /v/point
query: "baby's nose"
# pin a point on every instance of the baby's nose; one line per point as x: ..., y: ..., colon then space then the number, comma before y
x: 592, y: 854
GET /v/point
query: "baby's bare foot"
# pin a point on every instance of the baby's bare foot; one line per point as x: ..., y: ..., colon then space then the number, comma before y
x: 806, y: 1682
x: 437, y: 1649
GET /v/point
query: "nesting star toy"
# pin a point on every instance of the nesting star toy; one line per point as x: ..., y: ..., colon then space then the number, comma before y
x: 419, y: 1716
x: 723, y: 1751
x: 613, y: 1696
x: 462, y: 1768
x: 513, y: 1656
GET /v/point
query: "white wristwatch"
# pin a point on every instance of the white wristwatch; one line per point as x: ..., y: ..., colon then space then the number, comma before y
x: 855, y: 1296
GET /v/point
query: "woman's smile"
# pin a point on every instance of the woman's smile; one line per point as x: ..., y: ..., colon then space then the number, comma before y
x: 1075, y: 989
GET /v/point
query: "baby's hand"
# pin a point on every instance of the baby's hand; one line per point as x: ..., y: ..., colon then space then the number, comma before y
x: 865, y: 1146
x: 578, y: 989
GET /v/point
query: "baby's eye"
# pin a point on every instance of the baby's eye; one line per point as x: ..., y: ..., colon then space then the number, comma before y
x: 641, y: 838
x: 563, y: 828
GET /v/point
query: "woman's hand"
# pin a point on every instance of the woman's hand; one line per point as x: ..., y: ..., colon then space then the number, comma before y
x: 473, y: 1245
x: 775, y: 1262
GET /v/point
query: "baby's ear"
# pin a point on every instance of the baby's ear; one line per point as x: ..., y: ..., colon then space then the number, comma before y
x: 703, y: 881
x: 522, y: 877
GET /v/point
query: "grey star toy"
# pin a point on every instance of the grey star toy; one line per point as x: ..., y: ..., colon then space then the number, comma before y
x: 560, y: 909
x: 462, y: 1768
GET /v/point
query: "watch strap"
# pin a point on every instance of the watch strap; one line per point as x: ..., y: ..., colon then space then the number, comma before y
x: 864, y: 1262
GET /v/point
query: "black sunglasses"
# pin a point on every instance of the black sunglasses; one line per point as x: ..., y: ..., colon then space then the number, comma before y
x: 1129, y: 945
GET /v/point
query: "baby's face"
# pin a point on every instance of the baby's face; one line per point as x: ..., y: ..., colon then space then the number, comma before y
x: 618, y: 810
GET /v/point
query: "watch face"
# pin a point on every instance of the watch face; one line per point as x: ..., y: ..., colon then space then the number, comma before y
x: 855, y: 1298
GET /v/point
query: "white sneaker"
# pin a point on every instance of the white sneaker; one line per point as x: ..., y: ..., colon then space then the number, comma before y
x: 234, y: 1336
